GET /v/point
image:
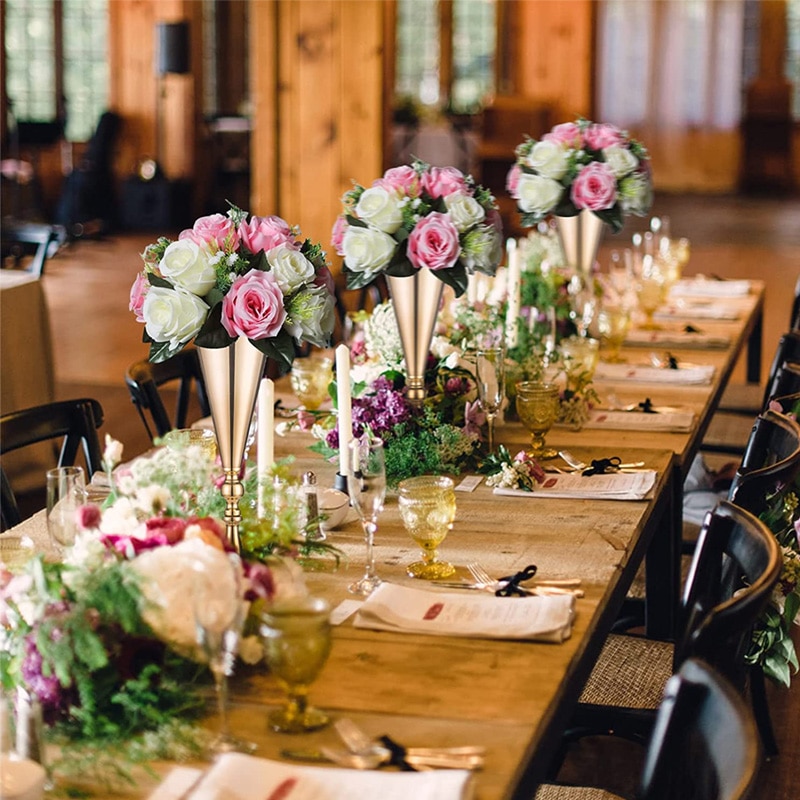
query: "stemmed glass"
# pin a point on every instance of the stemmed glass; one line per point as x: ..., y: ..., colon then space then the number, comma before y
x: 537, y: 405
x: 651, y: 290
x: 218, y: 616
x: 66, y: 492
x: 297, y: 640
x: 490, y: 371
x: 366, y: 484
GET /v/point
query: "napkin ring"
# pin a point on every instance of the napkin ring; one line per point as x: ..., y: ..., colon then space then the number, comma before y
x: 511, y: 583
x: 602, y: 466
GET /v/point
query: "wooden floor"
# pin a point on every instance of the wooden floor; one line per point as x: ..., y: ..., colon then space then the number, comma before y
x: 96, y: 338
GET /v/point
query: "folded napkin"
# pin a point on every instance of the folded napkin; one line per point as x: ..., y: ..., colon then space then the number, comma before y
x: 677, y: 421
x: 637, y: 373
x: 610, y: 486
x: 481, y: 615
x: 696, y: 311
x: 235, y: 776
x: 702, y: 287
x: 677, y: 338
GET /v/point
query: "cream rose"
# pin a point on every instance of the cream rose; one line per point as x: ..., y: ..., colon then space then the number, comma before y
x: 549, y: 159
x: 367, y: 250
x: 538, y: 195
x: 186, y: 264
x: 380, y: 208
x: 465, y: 211
x: 311, y: 316
x: 290, y: 268
x: 173, y: 315
x: 620, y: 161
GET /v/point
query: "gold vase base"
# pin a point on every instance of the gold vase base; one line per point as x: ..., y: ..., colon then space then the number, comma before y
x: 430, y: 570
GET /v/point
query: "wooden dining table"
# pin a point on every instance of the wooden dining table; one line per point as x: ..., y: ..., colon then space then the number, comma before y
x: 513, y: 697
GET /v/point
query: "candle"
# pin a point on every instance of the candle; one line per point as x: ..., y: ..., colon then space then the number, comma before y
x: 514, y: 289
x: 472, y: 288
x: 343, y: 405
x: 266, y: 431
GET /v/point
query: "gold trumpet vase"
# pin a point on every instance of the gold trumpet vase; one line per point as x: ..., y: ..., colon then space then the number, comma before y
x: 580, y: 238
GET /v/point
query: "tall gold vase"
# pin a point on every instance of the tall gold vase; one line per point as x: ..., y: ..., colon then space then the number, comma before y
x: 580, y: 238
x: 232, y: 375
x: 416, y: 304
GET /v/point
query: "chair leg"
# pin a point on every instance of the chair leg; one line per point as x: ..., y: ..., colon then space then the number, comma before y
x: 758, y: 697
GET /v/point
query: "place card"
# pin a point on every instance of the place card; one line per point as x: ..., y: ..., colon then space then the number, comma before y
x: 481, y: 615
x: 470, y: 483
x: 609, y: 486
x: 636, y: 373
x: 344, y: 610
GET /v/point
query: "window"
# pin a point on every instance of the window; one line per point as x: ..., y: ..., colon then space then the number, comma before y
x: 446, y: 53
x: 50, y: 76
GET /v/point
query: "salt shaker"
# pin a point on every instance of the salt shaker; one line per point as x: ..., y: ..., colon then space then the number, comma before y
x: 313, y: 531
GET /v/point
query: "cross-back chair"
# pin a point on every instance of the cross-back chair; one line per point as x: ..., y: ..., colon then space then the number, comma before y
x: 27, y: 245
x: 704, y: 745
x: 145, y: 381
x: 76, y: 421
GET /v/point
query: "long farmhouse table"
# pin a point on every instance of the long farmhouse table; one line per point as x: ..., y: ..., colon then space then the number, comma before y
x: 514, y: 697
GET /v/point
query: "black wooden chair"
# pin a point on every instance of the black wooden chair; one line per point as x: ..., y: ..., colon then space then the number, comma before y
x: 76, y: 421
x: 27, y: 245
x: 704, y: 745
x: 145, y: 381
x: 736, y: 564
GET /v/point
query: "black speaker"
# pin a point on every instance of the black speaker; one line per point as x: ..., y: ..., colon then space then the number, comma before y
x: 172, y: 47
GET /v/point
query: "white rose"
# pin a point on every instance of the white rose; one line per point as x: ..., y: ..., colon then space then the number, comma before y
x: 187, y: 265
x: 620, y: 160
x: 290, y: 268
x: 465, y: 211
x: 173, y: 315
x: 636, y: 194
x: 538, y: 195
x: 549, y: 159
x: 311, y: 316
x: 366, y: 249
x: 380, y: 208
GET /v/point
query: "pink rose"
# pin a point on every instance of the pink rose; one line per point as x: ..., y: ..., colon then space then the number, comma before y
x: 400, y: 179
x: 139, y: 290
x: 434, y: 242
x: 264, y: 233
x: 216, y: 230
x: 512, y: 179
x: 254, y: 306
x: 337, y: 234
x: 594, y: 188
x: 567, y: 134
x: 442, y: 181
x: 602, y: 135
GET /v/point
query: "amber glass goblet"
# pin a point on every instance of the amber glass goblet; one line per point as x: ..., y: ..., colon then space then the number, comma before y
x: 537, y: 406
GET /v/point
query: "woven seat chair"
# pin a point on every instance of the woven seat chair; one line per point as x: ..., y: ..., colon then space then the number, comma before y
x: 76, y: 421
x: 735, y: 566
x: 145, y: 379
x: 704, y: 744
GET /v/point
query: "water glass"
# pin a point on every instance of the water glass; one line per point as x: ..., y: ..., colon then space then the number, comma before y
x: 490, y: 369
x: 66, y: 493
x: 613, y: 324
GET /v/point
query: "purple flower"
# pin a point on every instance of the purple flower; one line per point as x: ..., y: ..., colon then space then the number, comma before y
x: 456, y: 386
x: 46, y: 687
x: 474, y: 417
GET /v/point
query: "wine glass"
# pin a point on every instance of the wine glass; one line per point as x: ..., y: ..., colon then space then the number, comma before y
x: 218, y: 607
x: 310, y: 379
x: 296, y: 633
x: 583, y: 302
x: 650, y: 290
x: 613, y: 324
x: 537, y: 405
x: 490, y: 370
x: 66, y: 492
x: 428, y: 508
x: 366, y: 484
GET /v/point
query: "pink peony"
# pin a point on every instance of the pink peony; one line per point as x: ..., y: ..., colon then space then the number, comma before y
x: 434, y: 242
x: 594, y: 188
x: 512, y: 179
x: 567, y: 134
x: 337, y: 234
x: 88, y: 517
x: 442, y: 181
x: 254, y: 306
x: 400, y: 179
x: 217, y: 231
x: 130, y: 546
x: 138, y: 293
x: 264, y: 233
x: 600, y: 135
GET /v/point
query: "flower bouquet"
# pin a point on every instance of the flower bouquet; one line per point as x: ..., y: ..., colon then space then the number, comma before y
x: 419, y: 216
x: 581, y: 166
x: 229, y: 277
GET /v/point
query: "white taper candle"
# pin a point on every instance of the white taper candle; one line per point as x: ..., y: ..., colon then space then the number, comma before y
x: 514, y: 289
x: 343, y: 402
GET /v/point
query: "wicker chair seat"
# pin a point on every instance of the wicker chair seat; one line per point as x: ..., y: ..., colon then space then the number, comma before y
x: 557, y: 791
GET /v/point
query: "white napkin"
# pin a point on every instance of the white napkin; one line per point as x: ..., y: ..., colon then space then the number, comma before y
x: 611, y: 486
x: 681, y: 310
x: 481, y: 615
x: 682, y: 339
x: 637, y: 373
x: 678, y: 421
x: 235, y: 776
x: 702, y: 287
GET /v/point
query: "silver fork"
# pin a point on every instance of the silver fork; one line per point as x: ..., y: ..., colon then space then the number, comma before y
x: 480, y: 575
x: 565, y: 586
